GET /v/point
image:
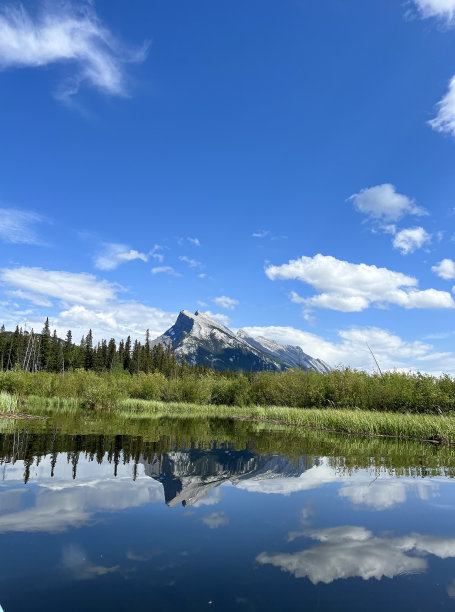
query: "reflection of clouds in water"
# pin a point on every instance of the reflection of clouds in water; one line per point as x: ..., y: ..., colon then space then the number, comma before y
x: 384, y: 493
x: 349, y: 551
x: 74, y: 561
x: 212, y: 498
x: 362, y: 487
x: 310, y: 479
x: 451, y: 589
x: 215, y: 520
x: 60, y: 504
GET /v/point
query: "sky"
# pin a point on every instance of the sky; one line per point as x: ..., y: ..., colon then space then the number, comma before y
x: 286, y: 166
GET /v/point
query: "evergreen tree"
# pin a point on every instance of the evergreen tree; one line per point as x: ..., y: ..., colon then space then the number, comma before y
x: 88, y: 354
x: 68, y: 351
x: 45, y: 346
x: 127, y: 354
x: 3, y: 341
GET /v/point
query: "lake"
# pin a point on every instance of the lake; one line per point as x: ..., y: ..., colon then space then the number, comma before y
x: 105, y: 512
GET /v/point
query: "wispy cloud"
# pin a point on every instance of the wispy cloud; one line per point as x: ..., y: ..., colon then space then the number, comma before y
x: 70, y: 35
x: 165, y: 270
x: 114, y: 254
x: 261, y: 234
x: 194, y: 241
x: 225, y: 302
x: 193, y: 263
x: 16, y: 226
x: 444, y: 9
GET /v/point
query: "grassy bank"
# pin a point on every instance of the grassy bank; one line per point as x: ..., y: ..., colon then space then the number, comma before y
x: 433, y: 428
x: 340, y: 389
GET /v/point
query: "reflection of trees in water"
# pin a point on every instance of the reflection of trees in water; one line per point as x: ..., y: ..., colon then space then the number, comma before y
x: 346, y: 454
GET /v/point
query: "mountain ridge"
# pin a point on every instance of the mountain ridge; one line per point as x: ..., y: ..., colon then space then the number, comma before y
x: 200, y: 339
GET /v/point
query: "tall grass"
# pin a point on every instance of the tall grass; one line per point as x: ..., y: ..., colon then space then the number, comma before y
x: 340, y: 389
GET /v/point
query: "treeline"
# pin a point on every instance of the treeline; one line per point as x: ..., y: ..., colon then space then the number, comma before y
x: 45, y: 352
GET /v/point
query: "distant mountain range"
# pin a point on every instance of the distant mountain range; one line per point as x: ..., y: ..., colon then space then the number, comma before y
x: 203, y: 340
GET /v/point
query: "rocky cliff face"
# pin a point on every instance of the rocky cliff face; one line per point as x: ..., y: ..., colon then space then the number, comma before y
x: 202, y: 340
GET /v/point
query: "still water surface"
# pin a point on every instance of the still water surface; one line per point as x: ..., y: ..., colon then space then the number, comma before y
x: 98, y: 514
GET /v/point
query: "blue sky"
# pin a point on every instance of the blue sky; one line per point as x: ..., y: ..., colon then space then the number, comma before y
x: 287, y: 166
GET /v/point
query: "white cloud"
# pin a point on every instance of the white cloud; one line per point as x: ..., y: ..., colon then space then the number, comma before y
x: 354, y: 287
x: 71, y: 287
x: 194, y: 241
x: 225, y: 302
x: 410, y: 239
x: 75, y: 38
x: 114, y: 254
x: 16, y: 226
x: 383, y: 203
x: 221, y: 318
x: 444, y: 121
x: 261, y: 234
x: 391, y: 351
x: 445, y: 269
x: 215, y: 520
x: 437, y: 8
x: 351, y: 551
x: 60, y: 503
x: 85, y: 302
x: 191, y: 262
x: 165, y: 270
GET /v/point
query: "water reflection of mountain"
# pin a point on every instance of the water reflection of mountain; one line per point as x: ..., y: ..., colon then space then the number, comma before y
x: 187, y: 476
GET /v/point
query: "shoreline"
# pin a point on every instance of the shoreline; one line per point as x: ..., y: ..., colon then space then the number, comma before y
x: 434, y: 429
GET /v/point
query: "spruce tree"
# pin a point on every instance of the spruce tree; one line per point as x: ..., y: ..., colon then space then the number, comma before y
x: 45, y: 346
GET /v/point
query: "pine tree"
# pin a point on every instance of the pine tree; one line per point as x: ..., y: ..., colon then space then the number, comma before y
x: 88, y: 354
x: 3, y: 341
x: 127, y: 354
x: 45, y: 346
x: 68, y: 351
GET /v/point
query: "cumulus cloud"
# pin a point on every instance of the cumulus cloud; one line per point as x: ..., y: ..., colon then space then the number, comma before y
x: 225, y: 302
x: 352, y: 287
x: 194, y: 241
x: 350, y: 349
x: 64, y: 35
x: 351, y: 551
x: 114, y: 254
x: 410, y: 239
x: 445, y: 269
x: 384, y: 203
x: 17, y: 226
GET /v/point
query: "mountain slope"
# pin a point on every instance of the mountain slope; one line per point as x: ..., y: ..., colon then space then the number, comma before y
x: 202, y: 340
x: 291, y: 355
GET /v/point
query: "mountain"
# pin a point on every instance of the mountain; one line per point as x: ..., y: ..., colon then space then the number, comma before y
x: 293, y: 356
x: 202, y: 340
